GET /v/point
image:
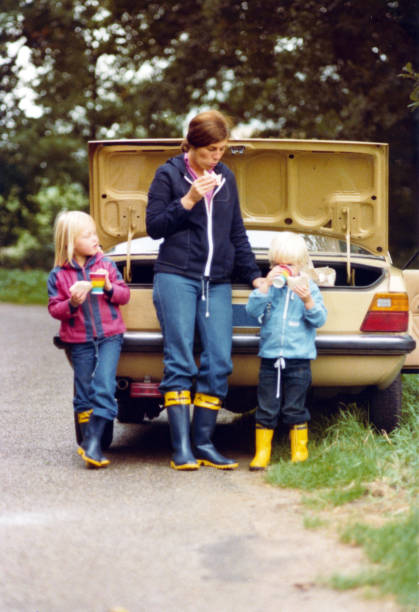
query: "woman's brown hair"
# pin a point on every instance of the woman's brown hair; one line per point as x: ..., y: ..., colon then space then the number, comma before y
x: 206, y: 128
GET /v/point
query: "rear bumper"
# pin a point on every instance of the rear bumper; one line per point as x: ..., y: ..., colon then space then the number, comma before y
x: 248, y: 344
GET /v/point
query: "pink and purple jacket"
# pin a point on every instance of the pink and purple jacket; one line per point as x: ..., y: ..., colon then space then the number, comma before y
x: 99, y: 316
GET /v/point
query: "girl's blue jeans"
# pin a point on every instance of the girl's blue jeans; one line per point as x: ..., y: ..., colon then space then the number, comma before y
x: 94, y: 365
x: 181, y: 311
x: 290, y: 405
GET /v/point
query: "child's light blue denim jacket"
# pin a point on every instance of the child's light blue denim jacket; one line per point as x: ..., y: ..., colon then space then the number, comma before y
x: 288, y: 329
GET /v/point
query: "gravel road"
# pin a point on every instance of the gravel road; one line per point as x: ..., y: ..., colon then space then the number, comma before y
x: 139, y: 536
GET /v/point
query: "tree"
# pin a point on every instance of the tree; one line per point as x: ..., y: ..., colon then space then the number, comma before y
x: 409, y: 73
x: 129, y: 68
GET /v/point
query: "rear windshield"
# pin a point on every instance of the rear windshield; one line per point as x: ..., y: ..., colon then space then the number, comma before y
x: 259, y: 240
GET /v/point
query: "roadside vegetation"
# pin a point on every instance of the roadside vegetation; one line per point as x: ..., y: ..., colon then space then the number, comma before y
x: 23, y: 286
x: 364, y: 485
x: 77, y: 71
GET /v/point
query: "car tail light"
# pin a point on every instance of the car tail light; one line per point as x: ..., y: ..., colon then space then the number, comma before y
x: 387, y: 312
x: 145, y: 389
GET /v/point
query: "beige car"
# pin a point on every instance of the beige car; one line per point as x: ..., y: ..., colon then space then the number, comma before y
x: 336, y: 194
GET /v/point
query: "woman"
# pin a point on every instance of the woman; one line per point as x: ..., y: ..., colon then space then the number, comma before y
x: 193, y: 204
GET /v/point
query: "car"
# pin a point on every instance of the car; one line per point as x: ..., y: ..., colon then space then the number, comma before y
x: 335, y: 193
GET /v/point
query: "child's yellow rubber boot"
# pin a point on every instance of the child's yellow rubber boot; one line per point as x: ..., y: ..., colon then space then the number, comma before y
x: 299, y: 439
x: 263, y: 439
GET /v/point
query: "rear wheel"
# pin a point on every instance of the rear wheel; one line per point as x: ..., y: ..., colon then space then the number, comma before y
x: 385, y: 406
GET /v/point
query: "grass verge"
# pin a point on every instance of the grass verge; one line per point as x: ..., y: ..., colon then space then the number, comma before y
x: 393, y: 549
x: 23, y: 286
x: 354, y: 471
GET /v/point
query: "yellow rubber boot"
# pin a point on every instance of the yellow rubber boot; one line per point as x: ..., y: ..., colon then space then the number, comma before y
x: 299, y: 439
x: 263, y: 439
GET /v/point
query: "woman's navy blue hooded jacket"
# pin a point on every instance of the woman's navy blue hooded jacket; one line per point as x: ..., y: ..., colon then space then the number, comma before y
x: 197, y: 240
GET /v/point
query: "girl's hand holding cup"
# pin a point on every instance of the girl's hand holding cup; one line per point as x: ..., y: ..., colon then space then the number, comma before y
x: 108, y: 284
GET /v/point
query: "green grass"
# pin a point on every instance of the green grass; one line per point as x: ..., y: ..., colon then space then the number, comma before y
x: 345, y: 452
x: 23, y: 286
x: 393, y: 549
x: 313, y: 522
x: 347, y: 459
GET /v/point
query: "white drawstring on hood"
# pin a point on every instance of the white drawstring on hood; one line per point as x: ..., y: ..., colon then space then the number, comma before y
x: 205, y: 294
x: 280, y: 362
x: 280, y: 365
x: 208, y: 200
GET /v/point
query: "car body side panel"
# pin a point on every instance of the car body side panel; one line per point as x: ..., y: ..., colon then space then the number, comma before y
x: 139, y: 313
x: 356, y: 359
x: 411, y: 278
x: 348, y: 371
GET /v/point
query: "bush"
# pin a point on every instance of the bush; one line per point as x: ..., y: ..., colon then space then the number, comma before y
x: 23, y: 286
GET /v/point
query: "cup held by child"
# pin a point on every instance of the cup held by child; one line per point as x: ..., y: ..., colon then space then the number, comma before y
x: 281, y: 279
x: 98, y: 282
x: 288, y: 277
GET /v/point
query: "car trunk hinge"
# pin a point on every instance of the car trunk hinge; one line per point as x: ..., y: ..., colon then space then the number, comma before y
x: 350, y: 274
x: 130, y: 234
x: 387, y: 271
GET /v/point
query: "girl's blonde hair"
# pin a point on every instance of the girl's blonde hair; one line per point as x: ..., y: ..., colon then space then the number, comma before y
x: 289, y: 248
x: 68, y: 226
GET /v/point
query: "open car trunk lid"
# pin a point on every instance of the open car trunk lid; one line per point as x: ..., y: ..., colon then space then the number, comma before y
x: 330, y: 188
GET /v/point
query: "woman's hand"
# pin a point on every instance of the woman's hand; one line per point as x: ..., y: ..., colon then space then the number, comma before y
x: 273, y: 272
x: 261, y: 284
x: 198, y: 189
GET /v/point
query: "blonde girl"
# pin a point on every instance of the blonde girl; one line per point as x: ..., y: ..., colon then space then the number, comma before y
x: 90, y: 324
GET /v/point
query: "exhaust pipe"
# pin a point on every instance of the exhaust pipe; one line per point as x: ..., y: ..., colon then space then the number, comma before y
x: 122, y: 384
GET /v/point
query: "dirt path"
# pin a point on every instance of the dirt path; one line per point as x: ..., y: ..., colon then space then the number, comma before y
x: 139, y: 535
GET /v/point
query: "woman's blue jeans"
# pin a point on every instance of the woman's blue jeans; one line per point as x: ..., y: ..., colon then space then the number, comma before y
x: 290, y: 405
x: 94, y: 365
x: 182, y: 311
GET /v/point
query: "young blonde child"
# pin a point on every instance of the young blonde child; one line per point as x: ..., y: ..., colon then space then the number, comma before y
x: 290, y: 307
x: 91, y: 325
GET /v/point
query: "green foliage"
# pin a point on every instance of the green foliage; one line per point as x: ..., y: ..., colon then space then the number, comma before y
x: 138, y: 69
x: 34, y: 247
x: 335, y: 497
x: 346, y: 452
x: 313, y: 522
x: 394, y: 548
x: 409, y: 73
x: 23, y: 286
